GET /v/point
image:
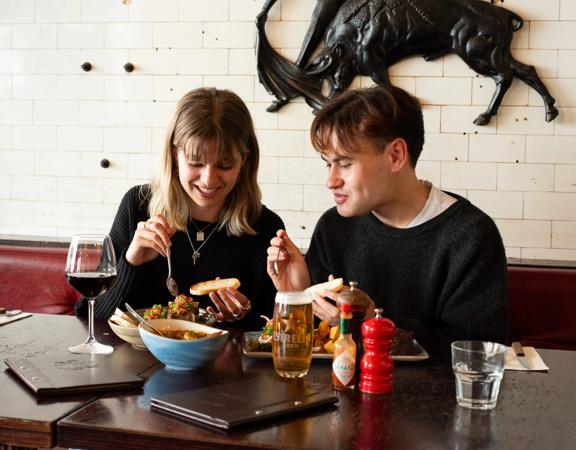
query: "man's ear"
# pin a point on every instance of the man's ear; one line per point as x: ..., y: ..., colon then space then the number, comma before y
x: 398, y: 154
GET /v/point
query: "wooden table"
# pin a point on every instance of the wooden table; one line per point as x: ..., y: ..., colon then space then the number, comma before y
x: 30, y: 421
x: 535, y: 411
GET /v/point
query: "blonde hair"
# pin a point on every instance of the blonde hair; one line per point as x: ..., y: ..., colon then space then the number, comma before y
x: 209, y: 118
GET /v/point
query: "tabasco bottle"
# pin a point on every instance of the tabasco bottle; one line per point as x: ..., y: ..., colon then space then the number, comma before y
x: 344, y: 362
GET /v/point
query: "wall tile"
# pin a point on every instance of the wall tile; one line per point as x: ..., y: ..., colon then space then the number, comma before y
x: 549, y: 10
x: 523, y: 120
x: 5, y: 187
x: 550, y: 206
x: 242, y: 62
x: 57, y: 61
x: 228, y: 35
x: 545, y: 61
x: 149, y: 114
x: 129, y: 35
x: 500, y: 205
x: 431, y: 171
x: 178, y: 35
x: 56, y: 112
x: 57, y: 163
x: 468, y: 175
x: 484, y: 88
x: 27, y: 137
x: 286, y: 34
x: 525, y: 233
x: 567, y: 63
x: 80, y: 139
x: 5, y: 136
x: 202, y: 11
x: 172, y: 88
x: 565, y: 178
x: 105, y: 61
x: 268, y: 170
x: 16, y: 212
x: 90, y: 165
x: 142, y: 166
x: 17, y: 11
x: 525, y: 177
x: 203, y: 62
x: 35, y: 87
x: 104, y: 11
x: 551, y: 149
x: 460, y: 119
x: 81, y: 36
x: 295, y: 116
x: 497, y: 148
x: 445, y: 147
x: 282, y: 197
x: 317, y: 198
x: 247, y: 10
x: 564, y: 235
x: 241, y: 85
x: 16, y: 111
x: 5, y: 86
x: 34, y: 188
x: 5, y: 36
x: 281, y: 142
x: 57, y: 11
x: 34, y: 36
x: 444, y: 91
x: 16, y: 162
x: 550, y: 35
x: 103, y: 113
x: 299, y: 225
x: 57, y: 213
x: 79, y: 190
x: 550, y: 254
x: 161, y: 61
x: 79, y: 87
x: 565, y: 123
x: 128, y: 140
x: 301, y: 171
x: 561, y: 89
x: 153, y: 11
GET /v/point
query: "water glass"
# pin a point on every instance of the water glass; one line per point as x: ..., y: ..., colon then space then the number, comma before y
x: 479, y: 367
x: 292, y: 334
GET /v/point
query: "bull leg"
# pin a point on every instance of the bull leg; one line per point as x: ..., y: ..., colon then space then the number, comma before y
x: 503, y: 83
x: 528, y: 74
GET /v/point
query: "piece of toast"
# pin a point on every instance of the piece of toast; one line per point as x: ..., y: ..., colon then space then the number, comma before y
x: 334, y: 285
x: 205, y: 287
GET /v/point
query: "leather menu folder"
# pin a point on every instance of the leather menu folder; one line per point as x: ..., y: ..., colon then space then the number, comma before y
x: 77, y: 374
x: 242, y: 401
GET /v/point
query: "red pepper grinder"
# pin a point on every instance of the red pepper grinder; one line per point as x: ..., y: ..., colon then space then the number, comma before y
x: 377, y: 366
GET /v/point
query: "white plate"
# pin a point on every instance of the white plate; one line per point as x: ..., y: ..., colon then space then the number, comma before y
x: 250, y: 336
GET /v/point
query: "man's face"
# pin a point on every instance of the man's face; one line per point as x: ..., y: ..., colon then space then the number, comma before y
x: 361, y: 181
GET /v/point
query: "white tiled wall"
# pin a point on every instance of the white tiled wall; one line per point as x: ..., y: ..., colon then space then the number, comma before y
x: 57, y: 122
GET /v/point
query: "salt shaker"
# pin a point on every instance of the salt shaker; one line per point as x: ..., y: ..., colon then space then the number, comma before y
x: 377, y: 366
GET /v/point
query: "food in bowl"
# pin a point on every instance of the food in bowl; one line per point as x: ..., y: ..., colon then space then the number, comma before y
x: 125, y: 328
x: 182, y: 307
x: 183, y: 354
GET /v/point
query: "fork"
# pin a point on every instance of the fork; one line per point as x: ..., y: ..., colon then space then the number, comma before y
x: 170, y: 282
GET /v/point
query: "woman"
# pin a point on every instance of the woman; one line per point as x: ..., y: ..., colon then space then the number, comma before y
x: 204, y: 205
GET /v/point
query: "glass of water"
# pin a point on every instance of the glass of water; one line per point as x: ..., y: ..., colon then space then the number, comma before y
x: 479, y: 367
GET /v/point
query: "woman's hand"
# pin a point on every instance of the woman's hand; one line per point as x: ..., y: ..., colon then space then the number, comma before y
x: 150, y: 240
x: 232, y: 305
x: 293, y: 272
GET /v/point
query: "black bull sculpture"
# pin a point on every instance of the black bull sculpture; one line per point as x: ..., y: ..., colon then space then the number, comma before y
x: 365, y: 37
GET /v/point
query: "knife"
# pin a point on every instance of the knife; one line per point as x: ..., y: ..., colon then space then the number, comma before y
x: 521, y: 356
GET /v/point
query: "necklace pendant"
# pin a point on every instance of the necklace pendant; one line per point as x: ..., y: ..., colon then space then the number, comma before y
x: 199, y: 236
x: 195, y: 256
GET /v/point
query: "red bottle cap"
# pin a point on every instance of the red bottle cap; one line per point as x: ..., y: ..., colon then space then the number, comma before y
x: 346, y: 307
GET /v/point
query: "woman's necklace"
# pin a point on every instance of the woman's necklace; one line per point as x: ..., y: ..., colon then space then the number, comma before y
x: 196, y: 251
x: 200, y: 232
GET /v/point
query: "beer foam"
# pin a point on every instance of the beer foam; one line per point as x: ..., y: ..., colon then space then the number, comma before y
x: 294, y: 298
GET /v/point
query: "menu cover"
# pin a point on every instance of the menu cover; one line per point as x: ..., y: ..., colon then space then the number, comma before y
x: 78, y: 374
x: 242, y: 401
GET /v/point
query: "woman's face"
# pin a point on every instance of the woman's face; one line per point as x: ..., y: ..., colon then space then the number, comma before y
x: 208, y: 181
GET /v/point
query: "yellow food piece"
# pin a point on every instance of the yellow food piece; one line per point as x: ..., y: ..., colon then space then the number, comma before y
x: 329, y: 346
x: 323, y: 329
x: 334, y: 332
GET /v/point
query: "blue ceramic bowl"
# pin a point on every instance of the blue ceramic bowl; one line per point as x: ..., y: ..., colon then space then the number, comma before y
x: 182, y: 354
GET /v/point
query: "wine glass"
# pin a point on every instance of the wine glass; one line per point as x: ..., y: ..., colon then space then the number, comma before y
x: 91, y: 270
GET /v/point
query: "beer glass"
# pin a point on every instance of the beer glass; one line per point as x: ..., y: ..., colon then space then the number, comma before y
x: 293, y: 331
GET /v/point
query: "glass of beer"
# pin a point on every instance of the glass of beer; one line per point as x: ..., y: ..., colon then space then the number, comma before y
x: 293, y: 331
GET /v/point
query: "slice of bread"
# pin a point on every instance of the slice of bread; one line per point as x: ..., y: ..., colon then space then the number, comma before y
x: 206, y: 287
x: 334, y: 285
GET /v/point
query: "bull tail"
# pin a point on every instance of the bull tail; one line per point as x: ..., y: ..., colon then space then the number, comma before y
x: 282, y: 78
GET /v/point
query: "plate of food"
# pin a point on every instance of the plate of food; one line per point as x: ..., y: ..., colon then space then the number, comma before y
x: 258, y: 344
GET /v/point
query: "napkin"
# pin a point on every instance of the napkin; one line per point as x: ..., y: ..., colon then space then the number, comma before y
x: 531, y: 354
x: 4, y: 319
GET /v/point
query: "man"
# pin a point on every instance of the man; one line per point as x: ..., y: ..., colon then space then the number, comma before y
x: 434, y: 262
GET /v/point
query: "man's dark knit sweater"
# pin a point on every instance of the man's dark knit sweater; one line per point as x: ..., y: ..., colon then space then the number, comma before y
x: 222, y: 256
x: 446, y: 278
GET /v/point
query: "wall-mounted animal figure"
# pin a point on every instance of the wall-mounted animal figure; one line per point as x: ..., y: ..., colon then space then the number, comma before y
x: 365, y: 37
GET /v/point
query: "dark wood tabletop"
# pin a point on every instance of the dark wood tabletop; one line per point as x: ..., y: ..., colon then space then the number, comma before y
x: 535, y: 411
x: 28, y: 420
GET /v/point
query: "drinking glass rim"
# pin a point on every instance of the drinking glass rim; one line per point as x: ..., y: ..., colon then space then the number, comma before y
x: 498, y: 348
x: 293, y: 298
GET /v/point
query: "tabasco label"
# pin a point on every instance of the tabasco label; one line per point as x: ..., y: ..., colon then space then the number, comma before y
x: 343, y: 368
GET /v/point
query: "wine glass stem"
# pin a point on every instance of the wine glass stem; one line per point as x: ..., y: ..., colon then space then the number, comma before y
x: 91, y: 339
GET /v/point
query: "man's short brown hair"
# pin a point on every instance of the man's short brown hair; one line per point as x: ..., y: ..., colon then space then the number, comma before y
x: 377, y: 115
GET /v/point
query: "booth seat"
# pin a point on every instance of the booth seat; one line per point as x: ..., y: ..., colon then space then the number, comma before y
x: 542, y: 298
x: 543, y: 306
x: 32, y: 279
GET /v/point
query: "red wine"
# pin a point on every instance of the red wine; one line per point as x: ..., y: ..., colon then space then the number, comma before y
x: 91, y: 284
